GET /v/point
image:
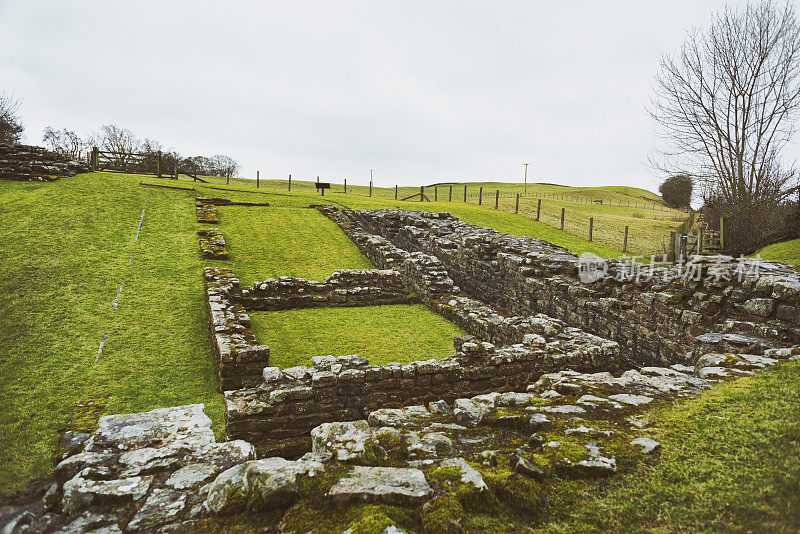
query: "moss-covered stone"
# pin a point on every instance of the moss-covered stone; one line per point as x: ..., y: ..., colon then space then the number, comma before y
x: 442, y: 515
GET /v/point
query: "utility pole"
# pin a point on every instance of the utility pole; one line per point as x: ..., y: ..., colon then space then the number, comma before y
x: 526, y: 178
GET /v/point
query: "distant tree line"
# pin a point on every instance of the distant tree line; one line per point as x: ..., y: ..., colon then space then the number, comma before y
x: 124, y: 144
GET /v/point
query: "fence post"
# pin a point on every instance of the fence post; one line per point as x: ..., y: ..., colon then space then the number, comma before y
x: 538, y: 209
x: 625, y: 242
x: 562, y: 218
x: 258, y: 178
x: 159, y: 164
x: 395, y: 192
x: 370, y: 188
x: 450, y: 198
x: 516, y: 209
x: 345, y: 185
x: 722, y: 233
x: 435, y: 193
x: 480, y: 196
x: 496, y: 199
x: 290, y: 182
x: 421, y: 193
x: 591, y: 228
x: 671, y: 251
x: 465, y: 193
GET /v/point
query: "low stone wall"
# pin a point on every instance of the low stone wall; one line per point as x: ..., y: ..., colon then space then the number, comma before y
x: 212, y: 244
x: 345, y: 287
x: 670, y: 317
x: 279, y: 414
x: 240, y: 359
x: 35, y: 163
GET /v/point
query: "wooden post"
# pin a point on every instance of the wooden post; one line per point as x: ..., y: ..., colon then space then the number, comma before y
x: 671, y: 251
x: 562, y: 218
x: 345, y: 185
x: 722, y: 233
x: 700, y: 241
x: 258, y: 178
x: 625, y: 242
x: 465, y: 193
x: 497, y: 199
x: 159, y: 164
x: 290, y: 182
x: 435, y: 193
x: 516, y: 208
x: 538, y: 209
x: 370, y: 188
x: 395, y: 192
x: 450, y: 198
x: 421, y: 193
x: 480, y: 196
x: 591, y: 228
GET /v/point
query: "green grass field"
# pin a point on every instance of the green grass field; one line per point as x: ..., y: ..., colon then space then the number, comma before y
x: 648, y: 219
x: 270, y: 242
x: 786, y: 252
x: 382, y: 334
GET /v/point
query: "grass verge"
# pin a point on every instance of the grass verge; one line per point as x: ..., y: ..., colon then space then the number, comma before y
x: 383, y: 334
x: 786, y: 252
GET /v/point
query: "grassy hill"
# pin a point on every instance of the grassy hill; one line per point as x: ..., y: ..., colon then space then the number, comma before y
x: 608, y: 210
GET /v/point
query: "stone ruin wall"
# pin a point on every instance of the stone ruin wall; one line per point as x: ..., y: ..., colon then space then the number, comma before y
x: 663, y: 320
x: 35, y: 163
x: 534, y: 317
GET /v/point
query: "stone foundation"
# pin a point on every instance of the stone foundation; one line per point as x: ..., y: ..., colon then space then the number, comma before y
x: 212, y: 244
x: 240, y: 359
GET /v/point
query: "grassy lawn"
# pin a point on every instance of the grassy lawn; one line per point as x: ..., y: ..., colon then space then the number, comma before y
x: 383, y: 334
x: 786, y: 252
x: 267, y: 242
x: 66, y: 246
x: 728, y: 464
x: 643, y: 212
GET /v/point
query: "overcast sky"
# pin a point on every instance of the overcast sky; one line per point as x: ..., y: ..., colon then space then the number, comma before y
x: 418, y: 91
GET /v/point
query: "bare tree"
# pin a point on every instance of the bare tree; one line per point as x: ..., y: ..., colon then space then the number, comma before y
x: 10, y: 125
x: 120, y: 141
x: 225, y: 166
x: 64, y: 142
x: 726, y: 103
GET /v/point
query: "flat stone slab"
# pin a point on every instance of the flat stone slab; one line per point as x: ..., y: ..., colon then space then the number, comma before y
x: 388, y: 485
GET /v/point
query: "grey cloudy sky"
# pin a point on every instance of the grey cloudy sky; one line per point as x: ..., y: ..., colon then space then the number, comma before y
x: 419, y: 91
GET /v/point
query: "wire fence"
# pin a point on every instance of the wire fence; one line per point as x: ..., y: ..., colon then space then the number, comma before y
x: 633, y: 226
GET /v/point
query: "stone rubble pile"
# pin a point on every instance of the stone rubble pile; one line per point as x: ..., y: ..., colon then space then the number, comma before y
x: 35, y: 163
